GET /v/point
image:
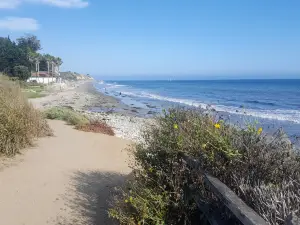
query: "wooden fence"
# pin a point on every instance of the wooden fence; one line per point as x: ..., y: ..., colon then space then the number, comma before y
x: 234, y: 204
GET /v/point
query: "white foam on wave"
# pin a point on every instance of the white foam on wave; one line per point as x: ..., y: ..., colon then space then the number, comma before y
x: 113, y: 85
x: 279, y: 114
x: 162, y: 98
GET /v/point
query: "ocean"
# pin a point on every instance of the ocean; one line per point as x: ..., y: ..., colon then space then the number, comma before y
x: 272, y: 103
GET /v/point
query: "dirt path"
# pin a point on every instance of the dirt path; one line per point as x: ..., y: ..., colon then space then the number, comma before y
x: 65, y: 180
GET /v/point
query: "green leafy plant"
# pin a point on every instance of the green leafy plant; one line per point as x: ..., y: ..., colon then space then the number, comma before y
x: 22, y: 72
x: 66, y: 114
x: 244, y: 158
x: 140, y: 203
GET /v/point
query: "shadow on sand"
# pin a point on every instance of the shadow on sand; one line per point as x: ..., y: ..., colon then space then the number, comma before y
x: 92, y: 192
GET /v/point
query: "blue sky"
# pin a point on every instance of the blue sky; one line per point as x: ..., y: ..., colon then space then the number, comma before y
x: 152, y: 38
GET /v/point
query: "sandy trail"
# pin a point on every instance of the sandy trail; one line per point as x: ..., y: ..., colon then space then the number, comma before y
x: 65, y: 180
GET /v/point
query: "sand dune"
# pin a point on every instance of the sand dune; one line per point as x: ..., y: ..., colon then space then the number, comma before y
x: 65, y: 180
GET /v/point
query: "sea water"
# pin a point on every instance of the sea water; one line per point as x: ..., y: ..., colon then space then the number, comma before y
x: 272, y: 103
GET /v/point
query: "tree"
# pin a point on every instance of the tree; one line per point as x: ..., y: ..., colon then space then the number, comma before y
x: 48, y: 62
x: 22, y: 72
x: 11, y: 55
x: 59, y: 61
x: 29, y: 42
x: 16, y: 59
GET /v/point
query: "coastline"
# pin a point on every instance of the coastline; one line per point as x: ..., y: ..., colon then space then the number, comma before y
x: 83, y: 97
x: 127, y: 121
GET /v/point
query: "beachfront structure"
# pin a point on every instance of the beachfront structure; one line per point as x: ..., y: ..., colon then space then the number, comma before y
x: 45, y: 77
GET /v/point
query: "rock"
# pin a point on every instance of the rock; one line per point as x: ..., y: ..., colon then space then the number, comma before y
x: 151, y: 106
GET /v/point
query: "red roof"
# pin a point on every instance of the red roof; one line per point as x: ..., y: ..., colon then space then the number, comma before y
x: 41, y: 74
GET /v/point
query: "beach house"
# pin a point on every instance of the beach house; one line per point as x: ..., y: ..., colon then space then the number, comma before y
x: 52, y: 74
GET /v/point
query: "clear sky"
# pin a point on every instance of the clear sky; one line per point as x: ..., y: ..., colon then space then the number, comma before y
x: 148, y: 38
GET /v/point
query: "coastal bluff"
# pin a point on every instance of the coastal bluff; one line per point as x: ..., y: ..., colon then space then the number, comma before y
x: 74, y: 76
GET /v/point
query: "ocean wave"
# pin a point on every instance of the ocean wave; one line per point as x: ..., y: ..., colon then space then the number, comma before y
x: 276, y: 114
x: 162, y: 98
x: 113, y: 85
x: 260, y: 102
x: 282, y: 115
x: 120, y: 85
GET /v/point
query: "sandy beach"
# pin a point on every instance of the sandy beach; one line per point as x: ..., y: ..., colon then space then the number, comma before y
x: 67, y: 179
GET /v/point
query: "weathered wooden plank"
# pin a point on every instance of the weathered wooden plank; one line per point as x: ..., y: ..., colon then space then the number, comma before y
x: 243, y: 212
x: 212, y: 217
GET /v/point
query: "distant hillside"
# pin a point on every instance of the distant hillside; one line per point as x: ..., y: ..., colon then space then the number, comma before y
x: 74, y: 76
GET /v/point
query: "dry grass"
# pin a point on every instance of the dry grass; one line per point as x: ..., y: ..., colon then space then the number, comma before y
x: 20, y: 123
x: 96, y: 127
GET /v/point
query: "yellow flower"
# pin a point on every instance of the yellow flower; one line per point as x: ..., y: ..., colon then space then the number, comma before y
x: 259, y: 130
x: 175, y: 126
x: 204, y: 146
x: 217, y: 125
x: 130, y: 199
x: 126, y: 200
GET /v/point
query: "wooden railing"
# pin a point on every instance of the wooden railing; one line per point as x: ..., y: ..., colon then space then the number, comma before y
x: 233, y: 203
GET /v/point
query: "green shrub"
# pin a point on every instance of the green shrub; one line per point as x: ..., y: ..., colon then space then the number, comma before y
x: 20, y: 123
x: 66, y: 114
x: 244, y: 158
x: 140, y: 204
x: 22, y: 72
x: 32, y: 90
x: 30, y: 94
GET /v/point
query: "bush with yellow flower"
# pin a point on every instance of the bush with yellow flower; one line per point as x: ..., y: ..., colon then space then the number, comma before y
x: 243, y: 158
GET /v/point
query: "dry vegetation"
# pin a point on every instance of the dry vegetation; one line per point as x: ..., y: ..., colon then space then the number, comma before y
x: 264, y: 171
x: 96, y: 127
x: 78, y: 120
x: 20, y: 123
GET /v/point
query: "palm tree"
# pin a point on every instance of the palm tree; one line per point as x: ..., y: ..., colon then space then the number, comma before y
x: 32, y: 57
x: 39, y: 58
x: 48, y: 65
x: 48, y: 59
x: 59, y: 62
x: 37, y: 67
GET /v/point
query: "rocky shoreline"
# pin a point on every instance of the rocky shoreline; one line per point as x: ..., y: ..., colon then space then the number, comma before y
x: 84, y: 98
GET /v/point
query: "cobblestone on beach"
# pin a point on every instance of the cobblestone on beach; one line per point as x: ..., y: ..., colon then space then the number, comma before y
x: 126, y: 127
